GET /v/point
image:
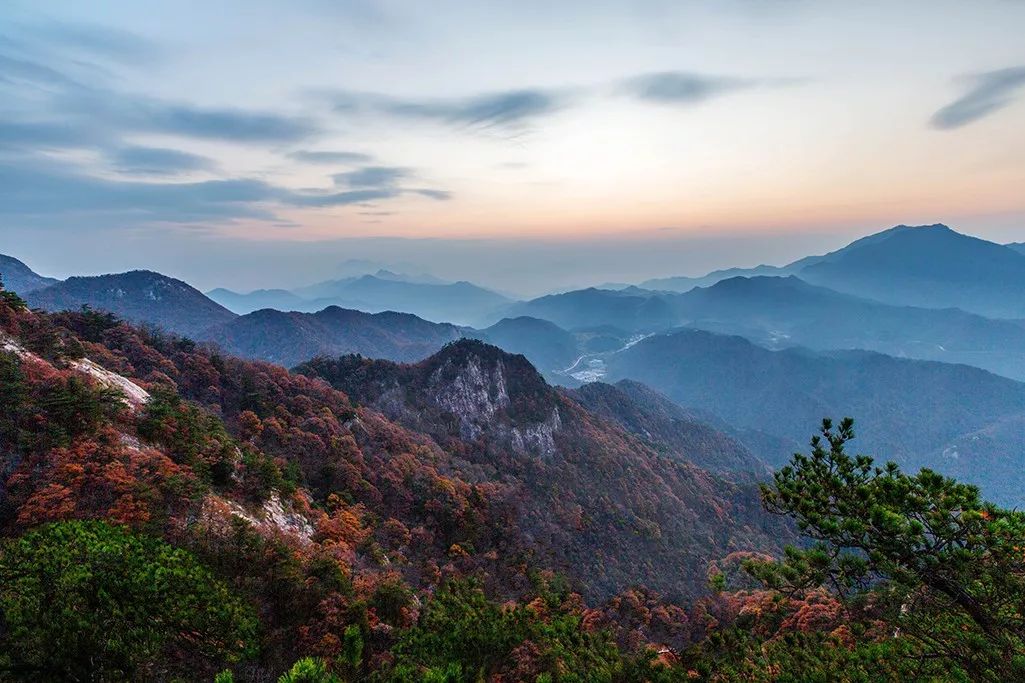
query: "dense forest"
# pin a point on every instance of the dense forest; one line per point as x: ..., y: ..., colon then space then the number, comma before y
x: 171, y: 513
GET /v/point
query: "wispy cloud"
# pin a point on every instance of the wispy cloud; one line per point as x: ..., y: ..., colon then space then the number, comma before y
x: 346, y: 198
x: 327, y: 157
x: 680, y: 87
x: 372, y: 176
x: 47, y: 100
x: 387, y: 180
x: 989, y: 92
x: 440, y: 195
x: 43, y: 192
x: 127, y: 112
x: 46, y: 192
x: 507, y: 109
x: 158, y: 161
x: 516, y: 110
x: 95, y: 40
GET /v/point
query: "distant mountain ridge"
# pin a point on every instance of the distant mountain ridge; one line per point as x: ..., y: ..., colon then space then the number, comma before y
x: 931, y: 266
x: 685, y: 284
x: 915, y: 412
x: 629, y: 309
x: 279, y: 299
x: 430, y: 298
x: 18, y: 277
x: 288, y: 338
x: 140, y: 296
x: 777, y: 312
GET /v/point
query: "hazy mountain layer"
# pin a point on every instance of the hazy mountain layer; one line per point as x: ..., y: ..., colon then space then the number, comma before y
x: 17, y: 277
x: 909, y: 411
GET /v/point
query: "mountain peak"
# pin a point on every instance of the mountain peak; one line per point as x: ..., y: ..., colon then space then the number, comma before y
x: 936, y: 227
x: 138, y: 296
x: 931, y: 266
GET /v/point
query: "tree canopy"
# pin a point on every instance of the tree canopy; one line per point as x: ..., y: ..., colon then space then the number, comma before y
x: 88, y: 601
x: 946, y: 569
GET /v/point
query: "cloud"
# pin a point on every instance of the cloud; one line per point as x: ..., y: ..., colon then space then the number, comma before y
x: 440, y: 195
x: 127, y: 112
x: 14, y: 69
x: 46, y: 135
x: 681, y: 88
x: 517, y: 109
x: 372, y: 176
x: 316, y: 157
x: 342, y: 198
x: 989, y: 92
x: 499, y: 109
x: 44, y: 192
x: 384, y: 179
x: 158, y: 161
x: 34, y: 93
x: 99, y: 41
x: 508, y: 109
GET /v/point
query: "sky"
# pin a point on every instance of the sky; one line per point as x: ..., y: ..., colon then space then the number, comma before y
x: 528, y: 146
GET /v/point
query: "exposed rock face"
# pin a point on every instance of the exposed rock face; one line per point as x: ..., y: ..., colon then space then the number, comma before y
x: 134, y: 395
x: 12, y: 346
x: 475, y: 389
x: 475, y: 395
x: 469, y: 390
x: 271, y: 519
x: 537, y: 438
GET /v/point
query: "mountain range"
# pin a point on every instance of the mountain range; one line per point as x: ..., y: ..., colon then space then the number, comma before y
x: 777, y: 312
x: 917, y: 413
x: 458, y: 302
x: 408, y: 475
x: 930, y: 266
x: 780, y: 347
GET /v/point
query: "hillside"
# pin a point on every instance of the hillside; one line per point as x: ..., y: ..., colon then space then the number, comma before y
x: 291, y: 338
x: 930, y: 266
x: 139, y: 296
x: 668, y: 427
x: 777, y: 312
x: 780, y: 392
x: 17, y: 277
x: 317, y: 511
x: 595, y: 497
